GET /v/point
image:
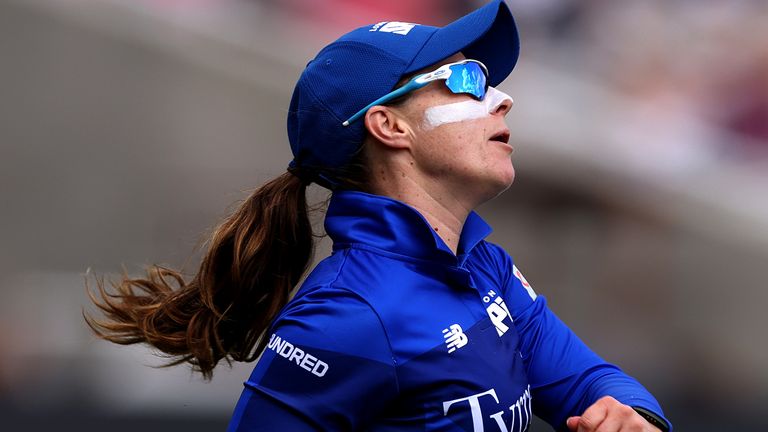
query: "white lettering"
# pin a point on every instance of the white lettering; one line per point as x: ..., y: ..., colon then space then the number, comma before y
x: 474, y: 406
x: 498, y: 312
x: 296, y: 355
x: 320, y: 368
x: 286, y: 349
x: 499, y: 421
x: 522, y: 407
x: 497, y: 315
x: 272, y: 338
x: 528, y: 407
x: 308, y: 362
x: 515, y: 415
x: 499, y: 301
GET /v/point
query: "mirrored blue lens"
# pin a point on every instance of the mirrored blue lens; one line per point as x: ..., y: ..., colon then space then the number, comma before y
x: 468, y: 78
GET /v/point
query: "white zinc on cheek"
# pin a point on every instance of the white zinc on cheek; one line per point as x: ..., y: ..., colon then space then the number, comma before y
x: 463, y: 111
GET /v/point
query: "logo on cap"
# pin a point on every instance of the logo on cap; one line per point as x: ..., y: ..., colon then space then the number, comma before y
x: 396, y: 27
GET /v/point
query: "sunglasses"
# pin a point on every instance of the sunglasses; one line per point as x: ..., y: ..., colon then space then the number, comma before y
x: 463, y: 77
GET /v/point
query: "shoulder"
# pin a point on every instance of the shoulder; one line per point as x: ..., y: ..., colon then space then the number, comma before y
x: 490, y: 252
x: 327, y: 354
x: 493, y: 260
x: 326, y: 315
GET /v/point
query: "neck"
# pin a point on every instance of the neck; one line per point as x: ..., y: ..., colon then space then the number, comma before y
x: 446, y: 224
x: 443, y: 210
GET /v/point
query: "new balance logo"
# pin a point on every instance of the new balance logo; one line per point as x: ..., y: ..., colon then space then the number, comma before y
x: 395, y: 27
x: 454, y: 337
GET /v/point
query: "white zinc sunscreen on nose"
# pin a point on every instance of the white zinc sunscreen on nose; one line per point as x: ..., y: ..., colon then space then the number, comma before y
x: 462, y: 111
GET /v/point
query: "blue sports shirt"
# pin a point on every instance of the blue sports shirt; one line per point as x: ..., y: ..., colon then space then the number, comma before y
x: 393, y: 332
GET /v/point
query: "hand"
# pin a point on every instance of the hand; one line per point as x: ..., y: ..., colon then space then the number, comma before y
x: 609, y: 415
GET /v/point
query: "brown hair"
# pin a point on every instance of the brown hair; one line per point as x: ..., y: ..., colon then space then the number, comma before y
x: 254, y: 259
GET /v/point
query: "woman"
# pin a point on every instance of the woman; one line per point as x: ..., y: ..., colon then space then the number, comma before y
x: 414, y: 322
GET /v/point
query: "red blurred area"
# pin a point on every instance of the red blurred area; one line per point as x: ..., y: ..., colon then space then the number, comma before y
x: 355, y: 13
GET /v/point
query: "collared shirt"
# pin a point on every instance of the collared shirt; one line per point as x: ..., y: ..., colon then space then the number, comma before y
x: 395, y: 332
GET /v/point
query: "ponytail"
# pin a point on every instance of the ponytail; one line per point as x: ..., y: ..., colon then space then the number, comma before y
x: 254, y: 260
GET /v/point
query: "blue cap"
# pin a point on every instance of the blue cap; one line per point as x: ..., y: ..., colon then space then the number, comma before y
x: 368, y: 62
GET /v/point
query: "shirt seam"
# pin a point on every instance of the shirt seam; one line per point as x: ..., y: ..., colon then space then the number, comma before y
x: 373, y: 310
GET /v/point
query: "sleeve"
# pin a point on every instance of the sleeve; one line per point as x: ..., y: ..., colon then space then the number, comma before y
x: 327, y: 366
x: 566, y: 377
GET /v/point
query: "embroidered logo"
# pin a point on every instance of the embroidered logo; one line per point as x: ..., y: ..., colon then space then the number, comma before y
x: 394, y: 27
x: 454, y: 337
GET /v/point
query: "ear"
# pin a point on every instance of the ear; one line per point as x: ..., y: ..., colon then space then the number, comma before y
x: 389, y: 127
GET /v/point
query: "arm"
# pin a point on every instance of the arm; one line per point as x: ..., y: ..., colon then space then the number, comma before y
x: 566, y: 377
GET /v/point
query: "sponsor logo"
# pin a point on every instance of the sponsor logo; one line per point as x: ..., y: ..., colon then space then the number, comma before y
x: 295, y: 354
x: 520, y: 411
x: 497, y: 311
x: 454, y: 337
x: 394, y: 27
x: 524, y: 282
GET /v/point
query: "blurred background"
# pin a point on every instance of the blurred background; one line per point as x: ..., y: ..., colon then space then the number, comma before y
x: 640, y: 209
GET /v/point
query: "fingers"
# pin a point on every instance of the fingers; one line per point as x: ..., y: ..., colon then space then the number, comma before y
x: 573, y: 423
x: 609, y: 415
x: 594, y: 416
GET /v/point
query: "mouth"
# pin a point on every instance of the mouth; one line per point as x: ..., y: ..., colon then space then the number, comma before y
x: 501, y: 136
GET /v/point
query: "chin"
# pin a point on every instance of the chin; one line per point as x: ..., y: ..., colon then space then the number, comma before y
x: 508, y: 177
x: 505, y: 186
x: 505, y: 181
x: 498, y: 186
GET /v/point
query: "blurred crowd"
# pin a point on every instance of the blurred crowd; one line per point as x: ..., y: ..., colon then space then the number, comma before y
x: 707, y: 59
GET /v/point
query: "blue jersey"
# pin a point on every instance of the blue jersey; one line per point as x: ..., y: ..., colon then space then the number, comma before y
x: 393, y: 332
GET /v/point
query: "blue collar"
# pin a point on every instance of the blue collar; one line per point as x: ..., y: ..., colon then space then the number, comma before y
x: 357, y: 218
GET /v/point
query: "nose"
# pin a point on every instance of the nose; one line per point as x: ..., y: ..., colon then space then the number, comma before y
x: 504, y: 106
x: 498, y: 102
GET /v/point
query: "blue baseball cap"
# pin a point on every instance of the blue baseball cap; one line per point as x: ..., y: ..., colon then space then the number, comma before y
x: 368, y: 62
